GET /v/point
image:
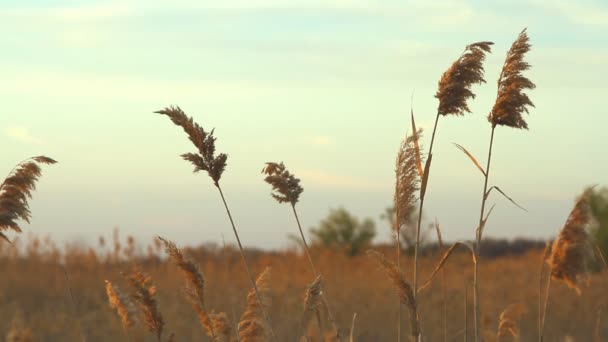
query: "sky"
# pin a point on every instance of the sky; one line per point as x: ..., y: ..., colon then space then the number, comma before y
x: 324, y: 86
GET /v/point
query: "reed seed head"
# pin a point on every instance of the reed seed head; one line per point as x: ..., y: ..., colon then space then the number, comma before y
x: 407, y: 182
x: 143, y: 292
x: 122, y: 305
x: 569, y: 251
x: 404, y: 288
x: 285, y: 186
x: 205, y: 159
x: 253, y: 326
x: 511, y: 101
x: 454, y: 87
x: 15, y: 191
x: 312, y: 300
x: 508, y: 329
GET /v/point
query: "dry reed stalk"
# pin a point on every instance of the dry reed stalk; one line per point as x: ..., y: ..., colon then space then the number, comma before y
x: 508, y: 329
x: 195, y: 284
x: 206, y: 160
x: 541, y: 317
x: 507, y: 111
x: 15, y: 191
x: 352, y: 328
x: 124, y: 308
x: 443, y: 287
x: 286, y: 188
x: 252, y: 325
x: 568, y: 253
x: 143, y: 292
x: 404, y: 289
x: 312, y: 302
x: 408, y: 171
x: 597, y: 334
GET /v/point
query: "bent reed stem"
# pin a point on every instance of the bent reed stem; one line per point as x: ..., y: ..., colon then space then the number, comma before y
x: 238, y: 240
x: 314, y: 271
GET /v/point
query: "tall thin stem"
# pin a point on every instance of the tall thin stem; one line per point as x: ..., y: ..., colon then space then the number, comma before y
x: 544, y: 315
x: 314, y: 271
x: 238, y: 240
x: 399, y: 267
x: 417, y: 246
x: 478, y: 240
x: 73, y: 301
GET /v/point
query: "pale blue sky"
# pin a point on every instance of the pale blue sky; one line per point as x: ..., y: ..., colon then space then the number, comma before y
x: 322, y: 85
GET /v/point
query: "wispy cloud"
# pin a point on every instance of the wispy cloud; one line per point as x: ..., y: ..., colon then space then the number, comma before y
x: 21, y: 134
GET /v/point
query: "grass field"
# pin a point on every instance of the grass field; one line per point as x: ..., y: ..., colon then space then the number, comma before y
x: 35, y: 291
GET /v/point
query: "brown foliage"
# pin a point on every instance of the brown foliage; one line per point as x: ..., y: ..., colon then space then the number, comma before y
x: 253, y: 326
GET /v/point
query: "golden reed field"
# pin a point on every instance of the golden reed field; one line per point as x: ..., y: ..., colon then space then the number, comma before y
x: 35, y: 298
x: 338, y: 287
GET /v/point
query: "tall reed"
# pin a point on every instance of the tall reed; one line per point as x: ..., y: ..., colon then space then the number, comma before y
x: 569, y: 251
x: 207, y: 160
x: 287, y: 189
x: 407, y: 185
x: 510, y: 103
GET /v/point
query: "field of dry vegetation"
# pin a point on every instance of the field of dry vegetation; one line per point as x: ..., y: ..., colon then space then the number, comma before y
x: 35, y: 294
x: 319, y: 292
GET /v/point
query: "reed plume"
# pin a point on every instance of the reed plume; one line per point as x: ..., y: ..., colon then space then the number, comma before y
x: 569, y: 252
x: 404, y: 289
x: 206, y: 160
x: 143, y: 292
x: 508, y: 329
x: 312, y: 302
x: 286, y: 188
x: 204, y: 141
x: 511, y: 101
x: 123, y: 306
x: 15, y: 191
x: 195, y: 284
x: 407, y: 185
x: 454, y: 88
x: 252, y: 325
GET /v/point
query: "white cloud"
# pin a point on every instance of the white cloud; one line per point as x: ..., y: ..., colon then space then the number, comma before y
x: 21, y: 134
x: 591, y: 14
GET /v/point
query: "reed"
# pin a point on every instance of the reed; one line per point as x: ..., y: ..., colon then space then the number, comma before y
x: 143, y: 293
x: 286, y: 188
x: 207, y: 160
x: 511, y: 102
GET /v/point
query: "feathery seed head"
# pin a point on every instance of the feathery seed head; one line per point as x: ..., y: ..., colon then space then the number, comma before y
x: 15, y: 191
x: 511, y: 101
x: 285, y: 186
x: 508, y: 329
x: 454, y: 87
x: 253, y: 327
x: 121, y: 304
x: 407, y: 182
x: 143, y: 292
x: 569, y: 251
x: 205, y: 159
